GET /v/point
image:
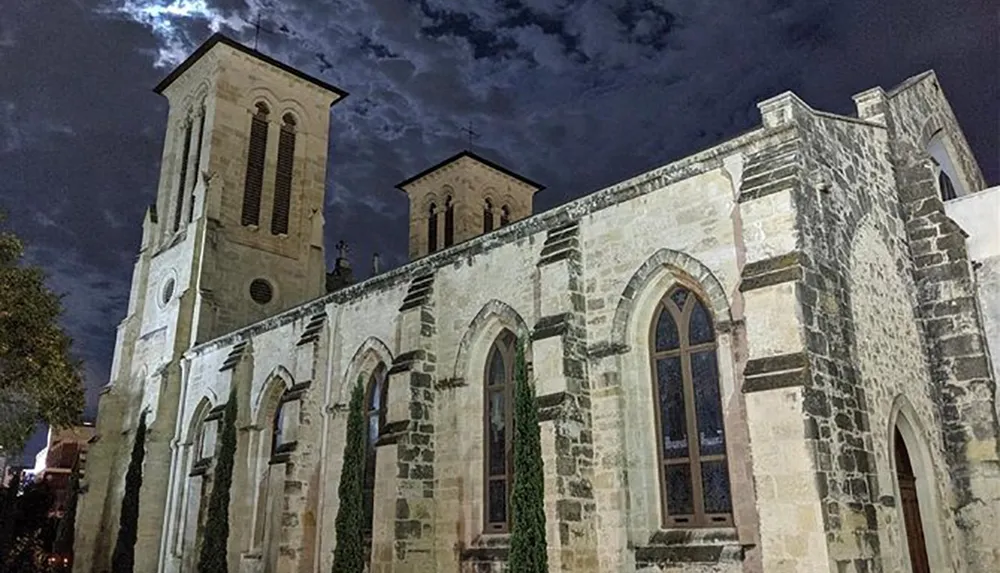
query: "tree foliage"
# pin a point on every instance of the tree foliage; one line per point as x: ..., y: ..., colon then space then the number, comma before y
x: 527, y: 505
x: 27, y: 529
x: 214, y: 556
x: 123, y: 559
x: 349, y: 554
x: 39, y: 381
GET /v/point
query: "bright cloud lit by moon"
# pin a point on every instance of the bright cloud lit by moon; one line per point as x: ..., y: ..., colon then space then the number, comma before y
x: 163, y: 18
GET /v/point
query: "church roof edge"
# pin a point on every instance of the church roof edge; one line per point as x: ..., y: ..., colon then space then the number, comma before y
x: 220, y: 38
x: 476, y: 157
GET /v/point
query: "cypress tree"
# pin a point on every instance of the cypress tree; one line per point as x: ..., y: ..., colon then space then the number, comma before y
x: 349, y: 554
x: 123, y: 559
x: 214, y: 546
x: 527, y: 505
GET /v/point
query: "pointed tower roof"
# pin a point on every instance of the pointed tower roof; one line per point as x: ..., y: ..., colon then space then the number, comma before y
x: 475, y: 157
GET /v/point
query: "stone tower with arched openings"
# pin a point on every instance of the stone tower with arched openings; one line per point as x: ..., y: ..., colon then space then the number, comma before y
x: 463, y: 197
x: 235, y: 235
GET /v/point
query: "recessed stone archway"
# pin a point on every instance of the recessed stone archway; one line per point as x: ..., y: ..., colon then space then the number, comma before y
x: 915, y: 489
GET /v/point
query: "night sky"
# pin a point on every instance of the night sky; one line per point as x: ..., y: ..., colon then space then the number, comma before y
x: 577, y: 95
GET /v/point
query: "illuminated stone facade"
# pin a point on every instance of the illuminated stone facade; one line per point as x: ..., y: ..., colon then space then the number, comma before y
x: 843, y: 309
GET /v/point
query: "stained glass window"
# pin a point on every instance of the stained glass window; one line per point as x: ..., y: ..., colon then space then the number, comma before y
x: 498, y: 425
x: 375, y: 403
x: 278, y: 424
x: 694, y: 473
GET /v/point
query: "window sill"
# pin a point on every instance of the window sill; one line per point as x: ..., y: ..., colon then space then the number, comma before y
x: 200, y: 467
x: 487, y: 548
x: 701, y: 545
x: 282, y: 453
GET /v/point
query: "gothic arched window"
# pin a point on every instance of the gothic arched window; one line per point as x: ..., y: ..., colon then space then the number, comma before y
x: 283, y: 176
x: 694, y: 478
x: 488, y: 216
x: 432, y: 228
x: 375, y: 404
x: 499, y: 430
x: 504, y: 215
x: 256, y: 152
x: 947, y: 188
x: 277, y: 427
x: 449, y: 222
x: 199, y: 442
x: 182, y: 178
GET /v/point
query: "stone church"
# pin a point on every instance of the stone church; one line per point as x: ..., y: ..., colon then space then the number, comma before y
x: 773, y: 355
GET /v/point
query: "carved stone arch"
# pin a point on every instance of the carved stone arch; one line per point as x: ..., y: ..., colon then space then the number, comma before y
x: 904, y: 417
x: 263, y: 94
x: 372, y: 351
x: 197, y: 418
x: 277, y: 382
x: 667, y: 265
x: 484, y: 328
x: 931, y: 129
x: 295, y: 108
x: 201, y: 92
x: 428, y: 200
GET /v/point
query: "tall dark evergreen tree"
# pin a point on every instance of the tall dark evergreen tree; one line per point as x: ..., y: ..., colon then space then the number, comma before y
x: 349, y: 555
x: 215, y: 541
x: 527, y: 505
x: 123, y: 559
x: 63, y: 544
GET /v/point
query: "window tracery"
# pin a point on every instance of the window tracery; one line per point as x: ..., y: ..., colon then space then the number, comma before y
x: 694, y: 476
x: 499, y: 432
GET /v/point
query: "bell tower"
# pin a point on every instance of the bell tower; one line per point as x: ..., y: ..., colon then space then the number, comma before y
x: 235, y: 236
x: 243, y: 182
x: 463, y: 197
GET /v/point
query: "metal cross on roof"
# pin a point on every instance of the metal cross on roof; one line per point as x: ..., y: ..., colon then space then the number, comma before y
x: 257, y: 28
x: 468, y: 131
x: 342, y: 249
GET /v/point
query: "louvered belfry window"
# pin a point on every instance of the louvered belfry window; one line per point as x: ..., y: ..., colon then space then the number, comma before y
x: 181, y: 187
x: 197, y: 163
x: 283, y: 177
x: 255, y: 167
x: 449, y: 222
x: 432, y: 228
x: 488, y: 216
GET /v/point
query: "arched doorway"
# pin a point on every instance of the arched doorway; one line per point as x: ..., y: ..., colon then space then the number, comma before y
x: 907, y: 481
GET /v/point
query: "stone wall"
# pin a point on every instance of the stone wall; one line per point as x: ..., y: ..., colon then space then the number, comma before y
x: 800, y: 237
x: 950, y: 317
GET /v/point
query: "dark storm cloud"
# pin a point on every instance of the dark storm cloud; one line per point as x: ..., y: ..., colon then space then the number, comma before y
x: 577, y: 94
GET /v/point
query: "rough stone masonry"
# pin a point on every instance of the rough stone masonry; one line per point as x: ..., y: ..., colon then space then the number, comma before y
x: 804, y: 311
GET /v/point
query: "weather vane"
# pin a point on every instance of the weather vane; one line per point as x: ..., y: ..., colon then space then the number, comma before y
x: 468, y: 131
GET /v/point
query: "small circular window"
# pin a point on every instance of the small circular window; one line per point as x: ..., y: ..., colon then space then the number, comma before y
x: 261, y: 291
x: 168, y: 291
